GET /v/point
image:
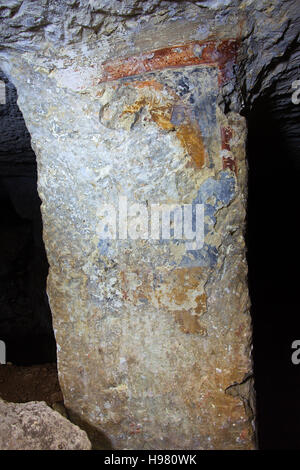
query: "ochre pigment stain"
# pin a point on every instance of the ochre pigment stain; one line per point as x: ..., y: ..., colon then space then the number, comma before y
x: 190, y: 137
x: 175, y: 293
x: 161, y: 110
x: 160, y: 113
x: 221, y: 54
x: 189, y: 323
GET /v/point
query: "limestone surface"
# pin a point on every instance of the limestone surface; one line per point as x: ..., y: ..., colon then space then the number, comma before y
x: 150, y: 332
x: 141, y: 102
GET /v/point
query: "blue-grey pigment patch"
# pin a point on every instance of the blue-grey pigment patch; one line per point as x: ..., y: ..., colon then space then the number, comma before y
x: 178, y: 114
x: 198, y: 90
x: 183, y: 86
x: 206, y: 257
x: 223, y: 191
x: 104, y: 246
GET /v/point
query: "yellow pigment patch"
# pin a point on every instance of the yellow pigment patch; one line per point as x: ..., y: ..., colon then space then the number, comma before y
x: 188, y: 132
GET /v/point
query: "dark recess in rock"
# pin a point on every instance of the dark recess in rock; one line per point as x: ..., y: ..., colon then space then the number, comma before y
x: 273, y: 258
x: 25, y: 317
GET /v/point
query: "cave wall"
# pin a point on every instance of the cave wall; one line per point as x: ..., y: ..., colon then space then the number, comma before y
x: 153, y: 339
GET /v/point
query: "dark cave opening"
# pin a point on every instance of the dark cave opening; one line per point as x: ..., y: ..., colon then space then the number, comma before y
x: 25, y: 316
x: 273, y: 259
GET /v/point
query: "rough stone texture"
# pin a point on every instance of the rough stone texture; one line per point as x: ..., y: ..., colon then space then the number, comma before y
x: 132, y: 99
x: 136, y: 320
x: 35, y: 426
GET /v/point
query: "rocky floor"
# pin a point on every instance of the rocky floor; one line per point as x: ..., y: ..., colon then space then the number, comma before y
x: 39, y: 383
x: 35, y: 383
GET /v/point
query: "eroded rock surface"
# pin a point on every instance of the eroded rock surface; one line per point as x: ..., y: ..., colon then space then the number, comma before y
x: 150, y: 333
x: 35, y: 426
x: 142, y: 100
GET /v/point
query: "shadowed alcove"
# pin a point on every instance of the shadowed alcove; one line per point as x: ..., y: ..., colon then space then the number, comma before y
x: 273, y: 258
x: 25, y: 317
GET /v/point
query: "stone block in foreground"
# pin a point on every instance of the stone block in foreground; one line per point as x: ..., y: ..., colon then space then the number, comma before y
x: 35, y: 426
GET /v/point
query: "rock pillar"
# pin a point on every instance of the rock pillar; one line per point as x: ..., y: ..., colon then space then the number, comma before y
x: 143, y: 182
